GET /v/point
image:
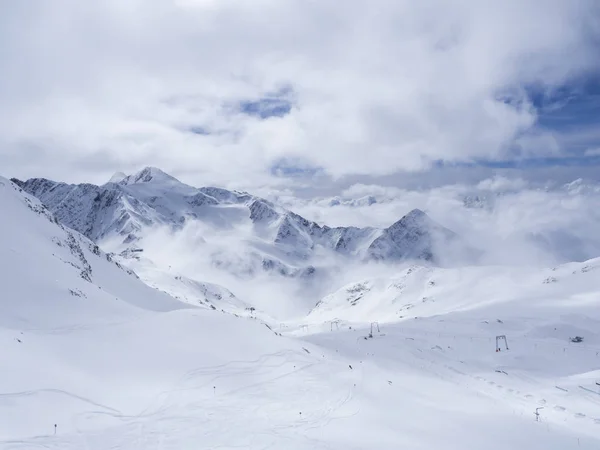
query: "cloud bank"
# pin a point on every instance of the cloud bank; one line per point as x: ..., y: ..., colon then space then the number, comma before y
x: 220, y: 91
x: 512, y: 221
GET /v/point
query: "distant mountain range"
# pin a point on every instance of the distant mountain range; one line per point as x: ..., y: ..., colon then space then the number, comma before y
x: 126, y: 207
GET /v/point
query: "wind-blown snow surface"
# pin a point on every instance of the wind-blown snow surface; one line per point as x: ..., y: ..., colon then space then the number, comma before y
x: 115, y: 364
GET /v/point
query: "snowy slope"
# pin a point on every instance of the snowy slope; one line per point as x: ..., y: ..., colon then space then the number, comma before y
x: 40, y: 257
x: 108, y: 345
x: 419, y: 291
x: 183, y: 288
x: 120, y: 365
x: 444, y: 322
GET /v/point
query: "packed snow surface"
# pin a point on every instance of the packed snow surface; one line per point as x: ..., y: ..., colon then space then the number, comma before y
x: 95, y: 359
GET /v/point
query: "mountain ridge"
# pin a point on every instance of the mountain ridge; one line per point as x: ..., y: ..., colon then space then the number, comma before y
x: 152, y: 197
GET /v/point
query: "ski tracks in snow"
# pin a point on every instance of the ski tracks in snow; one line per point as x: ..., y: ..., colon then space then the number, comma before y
x: 264, y: 397
x: 441, y: 363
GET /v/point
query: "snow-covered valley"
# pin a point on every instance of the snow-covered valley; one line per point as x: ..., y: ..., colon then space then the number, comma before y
x: 401, y: 357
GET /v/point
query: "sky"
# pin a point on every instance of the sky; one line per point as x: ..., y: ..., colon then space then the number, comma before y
x: 296, y: 93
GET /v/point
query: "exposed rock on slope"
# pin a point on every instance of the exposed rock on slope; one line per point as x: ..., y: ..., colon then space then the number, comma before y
x: 415, y: 236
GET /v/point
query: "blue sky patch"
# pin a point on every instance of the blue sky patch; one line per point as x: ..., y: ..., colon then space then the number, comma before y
x: 570, y: 113
x: 199, y: 130
x: 276, y: 104
x: 287, y: 167
x: 266, y: 107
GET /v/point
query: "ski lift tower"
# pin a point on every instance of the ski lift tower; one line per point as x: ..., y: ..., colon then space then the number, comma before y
x: 373, y: 326
x: 501, y: 338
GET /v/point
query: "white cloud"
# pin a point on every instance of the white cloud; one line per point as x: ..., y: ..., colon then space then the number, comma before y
x: 361, y: 190
x: 500, y: 183
x: 394, y: 86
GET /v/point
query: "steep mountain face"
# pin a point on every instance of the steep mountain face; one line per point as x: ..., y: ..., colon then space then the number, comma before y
x: 126, y: 205
x: 415, y: 236
x: 97, y: 212
x: 125, y: 210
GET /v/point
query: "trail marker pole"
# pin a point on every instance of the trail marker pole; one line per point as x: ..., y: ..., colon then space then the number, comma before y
x: 537, y: 414
x: 54, y: 429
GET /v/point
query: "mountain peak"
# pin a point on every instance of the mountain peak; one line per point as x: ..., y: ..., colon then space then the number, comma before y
x: 416, y: 213
x: 414, y: 236
x: 415, y: 218
x: 147, y: 175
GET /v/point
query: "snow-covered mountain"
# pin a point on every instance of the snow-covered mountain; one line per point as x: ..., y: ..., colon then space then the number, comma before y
x: 58, y: 252
x: 280, y: 241
x: 42, y: 259
x: 95, y: 359
x: 415, y: 236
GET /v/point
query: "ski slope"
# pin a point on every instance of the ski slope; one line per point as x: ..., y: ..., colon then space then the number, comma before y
x: 418, y: 291
x: 115, y: 364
